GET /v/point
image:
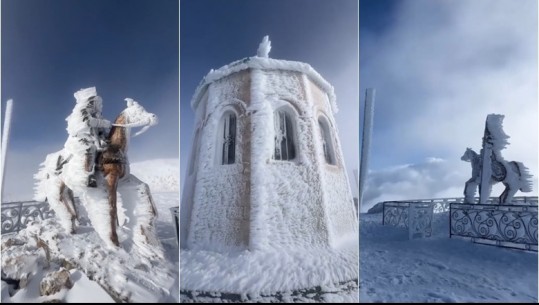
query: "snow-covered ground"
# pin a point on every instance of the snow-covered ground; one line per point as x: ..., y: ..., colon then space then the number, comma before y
x: 329, y: 273
x: 99, y: 274
x: 439, y: 269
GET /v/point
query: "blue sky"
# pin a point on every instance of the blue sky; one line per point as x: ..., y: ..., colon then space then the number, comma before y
x: 439, y: 68
x: 321, y: 33
x: 52, y: 48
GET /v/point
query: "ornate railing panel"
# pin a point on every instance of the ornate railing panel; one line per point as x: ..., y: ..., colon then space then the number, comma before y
x: 399, y: 213
x: 415, y: 216
x: 441, y: 205
x: 513, y: 226
x: 395, y: 213
x: 420, y: 220
x: 17, y: 215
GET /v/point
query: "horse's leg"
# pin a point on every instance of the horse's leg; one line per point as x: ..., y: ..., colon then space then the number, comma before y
x: 112, y: 184
x: 66, y: 198
x: 56, y: 199
x: 71, y: 199
x: 469, y: 190
x: 140, y: 207
x: 96, y: 201
x: 507, y: 195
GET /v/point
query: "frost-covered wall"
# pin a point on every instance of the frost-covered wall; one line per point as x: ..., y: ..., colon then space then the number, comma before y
x: 337, y: 195
x: 220, y: 213
x: 258, y: 202
x: 294, y: 212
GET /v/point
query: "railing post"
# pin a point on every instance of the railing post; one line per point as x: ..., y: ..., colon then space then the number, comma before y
x: 176, y: 219
x: 383, y: 213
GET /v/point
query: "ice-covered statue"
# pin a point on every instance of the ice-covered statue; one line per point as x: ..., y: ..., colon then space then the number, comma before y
x: 93, y: 165
x: 86, y: 129
x: 489, y: 167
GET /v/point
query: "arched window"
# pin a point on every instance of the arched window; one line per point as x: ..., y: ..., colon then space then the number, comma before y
x: 284, y: 136
x: 327, y: 143
x: 227, y: 138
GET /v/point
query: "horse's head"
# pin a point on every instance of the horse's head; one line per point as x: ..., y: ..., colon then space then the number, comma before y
x: 468, y: 155
x: 136, y: 116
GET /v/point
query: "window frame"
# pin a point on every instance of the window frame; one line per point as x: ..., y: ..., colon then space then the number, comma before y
x: 290, y: 136
x: 327, y: 140
x: 221, y: 158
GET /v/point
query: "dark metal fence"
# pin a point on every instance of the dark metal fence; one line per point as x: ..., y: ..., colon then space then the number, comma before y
x: 396, y: 212
x: 17, y: 215
x: 513, y: 226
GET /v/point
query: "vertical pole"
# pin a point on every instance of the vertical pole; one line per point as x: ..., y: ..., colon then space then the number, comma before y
x: 356, y: 178
x: 366, y: 141
x: 5, y: 136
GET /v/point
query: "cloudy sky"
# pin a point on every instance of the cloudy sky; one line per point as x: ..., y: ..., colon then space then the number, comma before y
x: 439, y: 68
x: 52, y: 48
x: 321, y: 33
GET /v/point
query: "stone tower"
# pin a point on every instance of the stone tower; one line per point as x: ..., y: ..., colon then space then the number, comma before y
x: 266, y: 170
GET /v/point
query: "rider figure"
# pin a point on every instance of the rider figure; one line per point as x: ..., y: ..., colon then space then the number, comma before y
x: 87, y: 130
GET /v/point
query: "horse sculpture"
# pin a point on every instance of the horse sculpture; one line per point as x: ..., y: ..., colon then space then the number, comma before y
x: 112, y: 174
x: 514, y: 175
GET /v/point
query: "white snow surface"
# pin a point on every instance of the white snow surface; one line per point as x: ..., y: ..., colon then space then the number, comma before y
x: 129, y: 274
x: 161, y: 175
x: 264, y: 272
x: 440, y: 269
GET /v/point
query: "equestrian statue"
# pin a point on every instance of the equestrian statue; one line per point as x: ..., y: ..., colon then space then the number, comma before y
x: 489, y: 167
x: 93, y: 166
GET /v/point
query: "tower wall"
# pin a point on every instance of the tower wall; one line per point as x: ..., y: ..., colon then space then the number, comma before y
x: 337, y: 196
x: 220, y: 214
x: 293, y: 211
x: 259, y: 202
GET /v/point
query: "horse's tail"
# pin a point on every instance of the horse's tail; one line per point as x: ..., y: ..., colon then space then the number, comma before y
x: 44, y: 176
x: 525, y: 177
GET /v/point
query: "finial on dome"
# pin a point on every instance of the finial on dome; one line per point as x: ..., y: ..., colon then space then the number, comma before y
x: 264, y: 47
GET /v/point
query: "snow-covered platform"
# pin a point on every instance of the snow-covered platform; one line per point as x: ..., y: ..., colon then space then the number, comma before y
x: 97, y: 273
x: 439, y: 269
x: 328, y: 275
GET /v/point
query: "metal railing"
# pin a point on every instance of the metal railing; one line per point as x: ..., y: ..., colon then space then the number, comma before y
x: 17, y: 215
x: 513, y: 226
x: 396, y: 212
x: 414, y: 216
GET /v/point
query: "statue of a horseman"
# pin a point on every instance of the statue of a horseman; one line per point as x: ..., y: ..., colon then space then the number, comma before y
x: 93, y: 165
x: 489, y: 167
